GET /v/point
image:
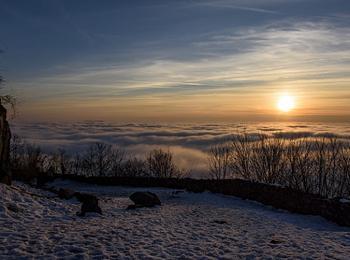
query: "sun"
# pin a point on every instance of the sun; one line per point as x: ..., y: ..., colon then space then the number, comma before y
x: 285, y: 103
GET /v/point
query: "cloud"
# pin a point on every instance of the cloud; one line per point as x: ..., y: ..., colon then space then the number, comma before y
x: 236, y: 5
x: 188, y: 142
x: 288, y: 52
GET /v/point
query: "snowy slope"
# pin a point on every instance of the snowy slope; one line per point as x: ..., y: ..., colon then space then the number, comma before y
x: 206, y: 226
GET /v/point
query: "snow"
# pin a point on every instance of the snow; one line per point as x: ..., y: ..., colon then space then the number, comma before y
x: 187, y: 225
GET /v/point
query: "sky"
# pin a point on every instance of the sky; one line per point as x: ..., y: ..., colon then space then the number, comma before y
x: 177, y: 61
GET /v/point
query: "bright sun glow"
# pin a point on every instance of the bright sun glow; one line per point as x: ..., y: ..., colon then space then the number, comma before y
x: 286, y: 103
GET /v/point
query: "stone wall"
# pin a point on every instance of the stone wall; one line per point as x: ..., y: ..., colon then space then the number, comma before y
x: 276, y: 196
x: 5, y: 136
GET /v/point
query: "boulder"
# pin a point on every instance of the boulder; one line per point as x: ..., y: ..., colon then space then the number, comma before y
x: 66, y: 193
x: 144, y: 199
x: 89, y: 203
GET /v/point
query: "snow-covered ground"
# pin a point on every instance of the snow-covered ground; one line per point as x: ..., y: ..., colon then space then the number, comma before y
x: 186, y: 226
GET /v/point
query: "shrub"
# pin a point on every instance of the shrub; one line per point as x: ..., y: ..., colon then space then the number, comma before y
x: 219, y: 160
x: 160, y: 164
x: 313, y: 165
x: 134, y: 167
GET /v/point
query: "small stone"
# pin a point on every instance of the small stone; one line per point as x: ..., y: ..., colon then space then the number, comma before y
x: 275, y: 242
x: 221, y: 222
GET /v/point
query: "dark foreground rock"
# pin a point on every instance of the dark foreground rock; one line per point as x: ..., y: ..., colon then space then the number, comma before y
x: 5, y: 136
x: 5, y: 179
x: 89, y: 203
x: 66, y: 193
x: 144, y: 199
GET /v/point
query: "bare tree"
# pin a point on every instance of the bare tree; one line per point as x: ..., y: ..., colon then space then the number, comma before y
x: 34, y: 159
x: 101, y: 159
x: 314, y: 165
x: 64, y: 162
x: 219, y: 161
x: 343, y: 188
x: 17, y: 151
x: 117, y: 158
x: 134, y: 167
x: 97, y: 160
x: 267, y: 159
x: 60, y: 163
x: 298, y: 165
x: 241, y: 158
x: 160, y: 164
x: 77, y: 165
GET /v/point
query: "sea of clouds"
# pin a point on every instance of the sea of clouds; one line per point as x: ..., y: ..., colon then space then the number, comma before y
x: 188, y: 142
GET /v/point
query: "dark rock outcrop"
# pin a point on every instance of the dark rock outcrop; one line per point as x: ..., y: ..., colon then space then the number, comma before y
x: 144, y: 199
x: 5, y: 136
x: 89, y: 203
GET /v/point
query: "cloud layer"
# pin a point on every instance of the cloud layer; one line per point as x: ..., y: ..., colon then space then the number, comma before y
x: 189, y: 143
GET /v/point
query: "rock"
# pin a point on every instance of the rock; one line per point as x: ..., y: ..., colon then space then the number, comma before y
x: 89, y: 203
x: 66, y: 193
x: 144, y: 199
x: 5, y: 136
x: 221, y: 222
x: 275, y: 242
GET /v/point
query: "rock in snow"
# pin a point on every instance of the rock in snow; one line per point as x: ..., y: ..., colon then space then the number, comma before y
x: 144, y: 199
x: 89, y: 203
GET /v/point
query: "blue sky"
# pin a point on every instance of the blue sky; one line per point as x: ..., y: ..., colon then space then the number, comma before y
x: 134, y: 60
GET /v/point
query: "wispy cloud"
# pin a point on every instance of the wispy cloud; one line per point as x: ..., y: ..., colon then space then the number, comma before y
x: 237, y: 5
x: 284, y: 51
